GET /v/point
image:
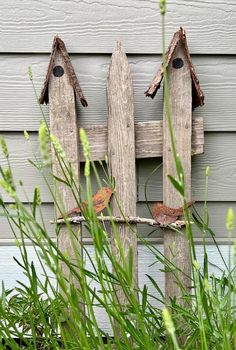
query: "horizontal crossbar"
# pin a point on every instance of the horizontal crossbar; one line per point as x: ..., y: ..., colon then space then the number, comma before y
x: 148, y: 139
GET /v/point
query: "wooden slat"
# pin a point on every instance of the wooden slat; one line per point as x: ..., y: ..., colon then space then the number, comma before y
x: 64, y: 126
x: 94, y: 26
x: 121, y: 154
x: 176, y: 245
x: 19, y: 109
x: 148, y: 139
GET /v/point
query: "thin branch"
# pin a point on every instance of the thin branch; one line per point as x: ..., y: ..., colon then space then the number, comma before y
x: 120, y: 220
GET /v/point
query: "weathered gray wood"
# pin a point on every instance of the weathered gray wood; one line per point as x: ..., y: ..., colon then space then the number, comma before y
x: 64, y: 126
x: 148, y: 139
x: 19, y: 109
x: 219, y: 154
x: 121, y: 154
x: 97, y: 136
x: 176, y: 246
x: 137, y: 23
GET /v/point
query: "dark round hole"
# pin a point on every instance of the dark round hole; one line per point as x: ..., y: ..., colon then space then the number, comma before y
x: 178, y: 63
x: 58, y: 71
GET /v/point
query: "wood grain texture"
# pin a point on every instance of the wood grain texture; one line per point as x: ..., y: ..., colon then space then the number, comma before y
x: 10, y: 271
x: 64, y: 126
x: 19, y: 109
x: 121, y: 155
x: 93, y: 26
x: 148, y: 139
x: 219, y: 155
x: 176, y: 245
x: 217, y: 214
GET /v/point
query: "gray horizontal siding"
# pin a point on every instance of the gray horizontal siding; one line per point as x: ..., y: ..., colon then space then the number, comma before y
x: 8, y: 233
x: 217, y: 214
x: 10, y: 271
x: 94, y: 26
x: 19, y: 109
x: 219, y: 155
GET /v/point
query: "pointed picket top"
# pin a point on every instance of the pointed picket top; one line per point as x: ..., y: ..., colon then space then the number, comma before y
x: 121, y: 154
x: 118, y: 48
x: 59, y: 45
x: 119, y: 65
x: 197, y: 94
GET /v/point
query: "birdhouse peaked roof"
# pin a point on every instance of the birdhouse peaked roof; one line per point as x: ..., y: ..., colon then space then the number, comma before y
x: 197, y: 94
x: 58, y: 44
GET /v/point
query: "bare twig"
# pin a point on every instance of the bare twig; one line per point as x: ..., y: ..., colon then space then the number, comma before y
x: 120, y: 220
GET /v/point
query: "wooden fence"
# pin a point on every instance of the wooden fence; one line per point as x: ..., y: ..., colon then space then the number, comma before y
x: 124, y: 141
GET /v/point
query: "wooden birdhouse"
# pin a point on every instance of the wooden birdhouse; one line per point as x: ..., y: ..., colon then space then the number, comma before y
x: 185, y: 94
x: 59, y: 66
x: 61, y: 88
x: 178, y: 57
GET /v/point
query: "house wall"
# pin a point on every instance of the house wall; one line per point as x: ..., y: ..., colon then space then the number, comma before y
x: 90, y: 30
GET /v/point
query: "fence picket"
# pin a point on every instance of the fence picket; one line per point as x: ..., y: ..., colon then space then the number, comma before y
x: 59, y: 90
x: 176, y: 246
x: 121, y: 153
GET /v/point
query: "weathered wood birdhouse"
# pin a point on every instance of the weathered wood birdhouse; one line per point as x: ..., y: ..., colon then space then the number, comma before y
x: 178, y: 57
x: 185, y: 94
x: 60, y: 90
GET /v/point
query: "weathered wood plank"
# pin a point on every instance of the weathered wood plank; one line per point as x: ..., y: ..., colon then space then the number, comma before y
x: 176, y: 246
x: 121, y: 155
x: 64, y: 126
x: 19, y: 109
x: 148, y: 139
x: 217, y: 213
x: 94, y: 26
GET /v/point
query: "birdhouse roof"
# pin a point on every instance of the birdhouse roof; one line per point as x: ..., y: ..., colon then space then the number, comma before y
x: 197, y: 94
x: 58, y: 44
